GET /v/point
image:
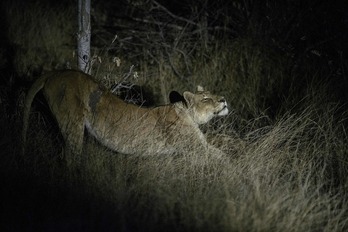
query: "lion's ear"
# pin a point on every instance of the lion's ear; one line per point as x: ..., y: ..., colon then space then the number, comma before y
x: 174, y: 96
x: 200, y: 88
x: 188, y: 97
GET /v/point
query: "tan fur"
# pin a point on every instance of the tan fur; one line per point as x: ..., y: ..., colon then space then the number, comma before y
x: 78, y: 103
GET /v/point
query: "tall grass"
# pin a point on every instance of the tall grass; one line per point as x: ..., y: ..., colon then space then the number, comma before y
x: 41, y: 37
x: 289, y: 176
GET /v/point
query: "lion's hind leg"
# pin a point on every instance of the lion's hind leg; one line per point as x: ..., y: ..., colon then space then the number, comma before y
x: 72, y: 130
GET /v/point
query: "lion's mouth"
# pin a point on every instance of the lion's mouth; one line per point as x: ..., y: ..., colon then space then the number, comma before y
x: 222, y: 112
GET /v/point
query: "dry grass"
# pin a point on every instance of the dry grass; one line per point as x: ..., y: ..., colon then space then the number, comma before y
x: 42, y: 37
x: 288, y: 176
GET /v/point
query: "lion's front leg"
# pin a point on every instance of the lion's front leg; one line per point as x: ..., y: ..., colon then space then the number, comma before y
x: 216, y: 152
x: 196, y: 141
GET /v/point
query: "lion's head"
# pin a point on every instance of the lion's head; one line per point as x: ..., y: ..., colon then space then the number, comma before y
x: 202, y: 105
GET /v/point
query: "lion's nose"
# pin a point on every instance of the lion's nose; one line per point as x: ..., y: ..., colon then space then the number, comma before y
x: 222, y: 100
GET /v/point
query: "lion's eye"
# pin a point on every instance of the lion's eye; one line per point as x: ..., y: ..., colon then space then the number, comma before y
x: 205, y: 99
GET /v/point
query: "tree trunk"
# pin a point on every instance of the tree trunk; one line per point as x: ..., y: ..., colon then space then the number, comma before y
x: 84, y: 36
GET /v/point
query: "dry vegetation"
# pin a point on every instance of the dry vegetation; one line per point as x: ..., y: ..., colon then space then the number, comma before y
x: 286, y: 139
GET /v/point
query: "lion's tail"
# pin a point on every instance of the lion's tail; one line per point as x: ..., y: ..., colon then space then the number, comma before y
x: 35, y: 88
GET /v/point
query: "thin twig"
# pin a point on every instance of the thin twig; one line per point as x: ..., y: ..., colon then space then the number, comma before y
x: 173, y: 15
x: 174, y: 26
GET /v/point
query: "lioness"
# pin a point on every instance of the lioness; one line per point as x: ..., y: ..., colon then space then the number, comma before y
x: 79, y: 103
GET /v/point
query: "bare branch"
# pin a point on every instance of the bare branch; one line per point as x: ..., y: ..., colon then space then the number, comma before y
x: 174, y: 26
x: 173, y: 15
